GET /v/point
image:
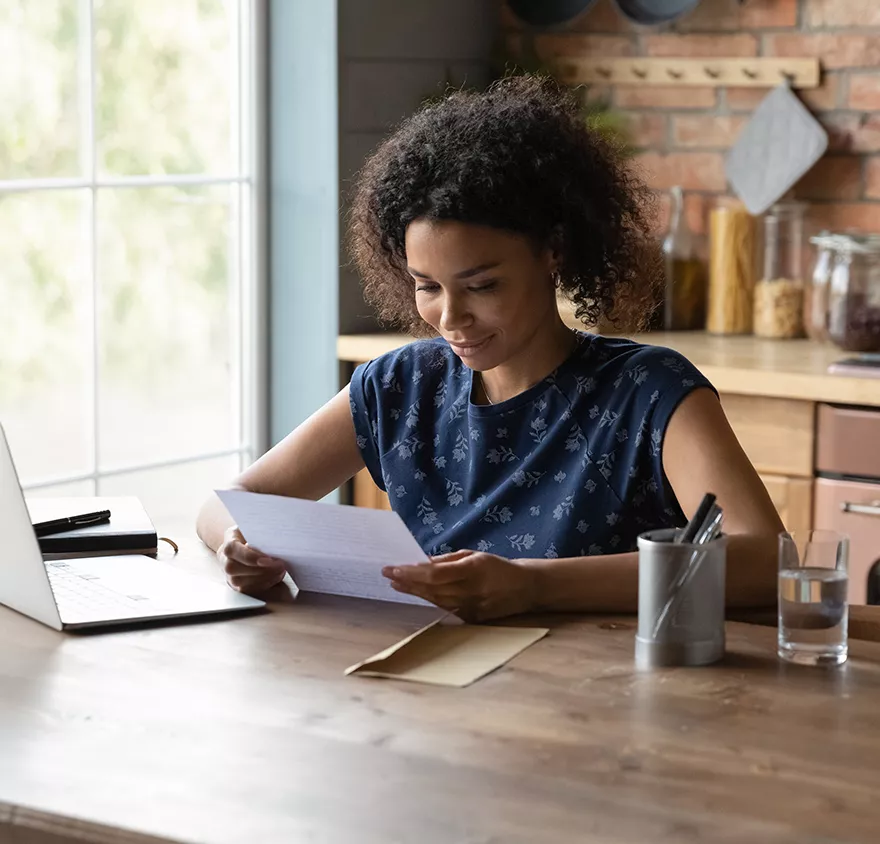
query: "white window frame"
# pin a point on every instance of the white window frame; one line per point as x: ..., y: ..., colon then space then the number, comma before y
x: 248, y: 295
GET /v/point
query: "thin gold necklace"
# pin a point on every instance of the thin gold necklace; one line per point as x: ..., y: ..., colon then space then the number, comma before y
x: 483, y: 382
x: 485, y: 391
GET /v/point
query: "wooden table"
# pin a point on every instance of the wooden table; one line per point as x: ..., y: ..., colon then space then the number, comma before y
x: 247, y: 730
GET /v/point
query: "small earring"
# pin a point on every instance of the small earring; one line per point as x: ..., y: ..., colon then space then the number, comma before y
x: 556, y: 278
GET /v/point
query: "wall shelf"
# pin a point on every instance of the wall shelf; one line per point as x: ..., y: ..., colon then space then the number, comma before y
x: 740, y: 73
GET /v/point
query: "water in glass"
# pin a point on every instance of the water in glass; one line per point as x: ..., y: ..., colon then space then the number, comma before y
x: 813, y: 615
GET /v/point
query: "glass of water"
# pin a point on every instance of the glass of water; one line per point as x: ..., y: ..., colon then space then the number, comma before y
x: 812, y: 597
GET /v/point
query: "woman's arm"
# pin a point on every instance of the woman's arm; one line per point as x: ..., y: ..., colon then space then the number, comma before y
x: 311, y: 461
x: 700, y: 454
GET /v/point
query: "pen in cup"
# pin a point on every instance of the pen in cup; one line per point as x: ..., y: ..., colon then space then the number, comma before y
x: 708, y: 520
x: 692, y: 529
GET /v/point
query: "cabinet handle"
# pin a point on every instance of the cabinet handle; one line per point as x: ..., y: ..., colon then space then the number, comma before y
x: 872, y: 509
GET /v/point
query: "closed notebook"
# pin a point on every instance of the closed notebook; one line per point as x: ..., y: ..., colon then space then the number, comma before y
x: 129, y: 530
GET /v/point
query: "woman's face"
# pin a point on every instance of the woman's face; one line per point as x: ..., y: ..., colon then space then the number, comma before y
x: 487, y: 292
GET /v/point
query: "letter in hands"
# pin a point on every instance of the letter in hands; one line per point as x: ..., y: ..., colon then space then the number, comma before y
x: 247, y: 570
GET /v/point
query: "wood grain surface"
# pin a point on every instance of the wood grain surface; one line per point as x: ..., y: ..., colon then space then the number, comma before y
x: 748, y: 366
x: 247, y: 730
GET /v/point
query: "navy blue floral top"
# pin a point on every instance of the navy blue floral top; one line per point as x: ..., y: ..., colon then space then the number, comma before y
x: 571, y: 467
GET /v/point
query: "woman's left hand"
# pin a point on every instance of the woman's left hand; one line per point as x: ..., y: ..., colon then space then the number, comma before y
x: 477, y: 585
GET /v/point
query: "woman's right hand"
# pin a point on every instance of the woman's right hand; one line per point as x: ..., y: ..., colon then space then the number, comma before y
x: 247, y: 570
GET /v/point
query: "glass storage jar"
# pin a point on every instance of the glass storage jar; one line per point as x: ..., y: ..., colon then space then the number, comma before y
x: 732, y: 269
x: 779, y: 295
x: 854, y: 295
x: 816, y: 289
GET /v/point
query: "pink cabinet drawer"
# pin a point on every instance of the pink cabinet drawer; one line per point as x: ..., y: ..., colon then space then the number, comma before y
x: 852, y: 508
x: 848, y: 441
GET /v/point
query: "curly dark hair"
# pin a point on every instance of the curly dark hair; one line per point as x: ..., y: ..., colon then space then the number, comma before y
x: 518, y: 157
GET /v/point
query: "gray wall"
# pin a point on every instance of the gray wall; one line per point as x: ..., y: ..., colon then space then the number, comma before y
x: 303, y: 210
x: 394, y: 53
x: 341, y: 73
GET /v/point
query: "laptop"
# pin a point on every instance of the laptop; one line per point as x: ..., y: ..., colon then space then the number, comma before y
x: 91, y: 592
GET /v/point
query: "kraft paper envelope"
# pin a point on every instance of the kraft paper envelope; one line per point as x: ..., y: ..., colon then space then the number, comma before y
x: 449, y: 654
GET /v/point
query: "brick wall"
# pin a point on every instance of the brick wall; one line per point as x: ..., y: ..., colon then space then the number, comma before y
x: 682, y: 133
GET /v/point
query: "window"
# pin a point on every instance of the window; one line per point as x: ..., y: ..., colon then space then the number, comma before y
x: 131, y: 358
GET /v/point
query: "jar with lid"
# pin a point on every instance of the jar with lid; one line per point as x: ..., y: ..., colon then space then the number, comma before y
x: 816, y: 290
x: 854, y: 295
x: 732, y: 250
x: 779, y: 295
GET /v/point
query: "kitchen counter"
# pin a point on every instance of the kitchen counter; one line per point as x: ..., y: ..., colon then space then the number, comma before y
x: 248, y: 730
x: 771, y: 391
x: 747, y: 366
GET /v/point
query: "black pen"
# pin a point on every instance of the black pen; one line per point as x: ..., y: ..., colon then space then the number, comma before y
x: 689, y: 534
x: 71, y: 523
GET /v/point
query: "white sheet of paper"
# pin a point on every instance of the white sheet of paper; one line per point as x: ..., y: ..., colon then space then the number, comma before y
x: 331, y: 548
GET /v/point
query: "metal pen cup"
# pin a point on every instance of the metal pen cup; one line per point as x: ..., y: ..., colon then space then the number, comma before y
x: 691, y: 630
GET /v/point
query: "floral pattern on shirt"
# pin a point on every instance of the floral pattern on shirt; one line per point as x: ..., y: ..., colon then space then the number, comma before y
x: 571, y: 467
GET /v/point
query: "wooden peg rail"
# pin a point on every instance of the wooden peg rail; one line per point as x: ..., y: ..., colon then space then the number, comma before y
x: 741, y: 73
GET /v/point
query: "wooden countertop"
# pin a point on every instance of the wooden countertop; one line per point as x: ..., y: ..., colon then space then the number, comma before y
x: 794, y: 369
x: 247, y: 730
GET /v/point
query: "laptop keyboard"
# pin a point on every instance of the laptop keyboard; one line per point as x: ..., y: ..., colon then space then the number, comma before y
x: 84, y: 595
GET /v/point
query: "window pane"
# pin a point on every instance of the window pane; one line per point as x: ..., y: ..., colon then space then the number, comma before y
x: 165, y: 84
x: 75, y: 489
x: 173, y: 496
x: 39, y: 103
x: 166, y: 333
x: 45, y: 344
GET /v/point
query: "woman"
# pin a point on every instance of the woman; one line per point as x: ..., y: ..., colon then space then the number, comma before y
x: 525, y: 457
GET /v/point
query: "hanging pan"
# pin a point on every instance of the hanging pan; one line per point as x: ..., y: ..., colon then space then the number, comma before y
x: 545, y: 13
x: 653, y: 12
